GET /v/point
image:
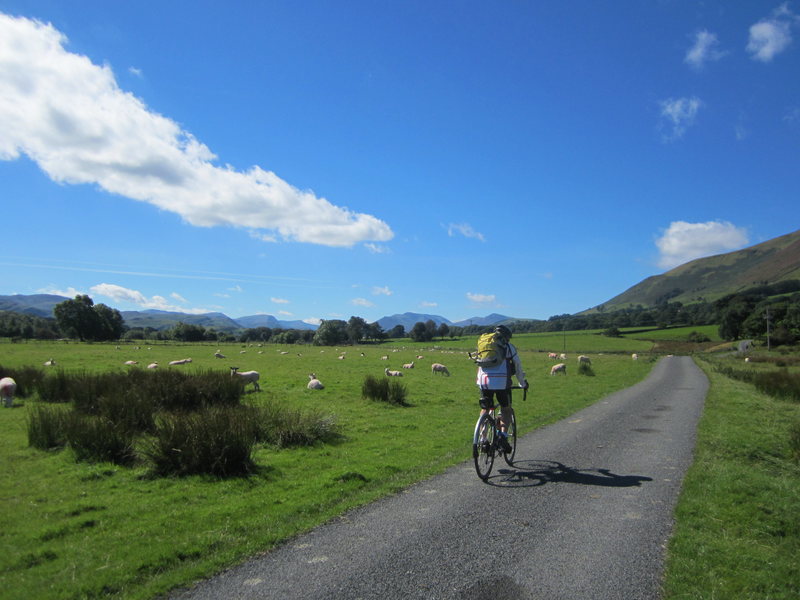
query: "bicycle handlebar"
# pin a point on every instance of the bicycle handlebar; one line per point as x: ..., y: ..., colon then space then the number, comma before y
x: 524, y: 391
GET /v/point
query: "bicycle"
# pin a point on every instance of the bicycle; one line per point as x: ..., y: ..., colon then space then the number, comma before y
x: 485, y: 444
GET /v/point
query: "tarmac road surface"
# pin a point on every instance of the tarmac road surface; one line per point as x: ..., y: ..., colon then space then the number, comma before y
x: 584, y: 513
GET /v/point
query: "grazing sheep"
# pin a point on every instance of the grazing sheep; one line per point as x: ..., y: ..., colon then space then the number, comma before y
x: 563, y: 357
x: 219, y: 354
x: 314, y: 383
x: 153, y: 365
x: 635, y: 356
x: 552, y: 355
x: 392, y: 373
x: 559, y: 368
x: 7, y: 389
x: 584, y: 359
x: 384, y: 358
x: 130, y: 363
x: 409, y: 365
x: 247, y: 377
x: 747, y: 359
x: 439, y: 368
x: 183, y: 361
x: 50, y: 363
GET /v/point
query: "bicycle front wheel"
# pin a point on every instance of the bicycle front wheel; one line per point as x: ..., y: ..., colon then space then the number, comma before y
x: 512, y: 440
x: 483, y: 446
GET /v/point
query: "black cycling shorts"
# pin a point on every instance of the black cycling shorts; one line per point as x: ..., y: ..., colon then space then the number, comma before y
x: 503, y: 398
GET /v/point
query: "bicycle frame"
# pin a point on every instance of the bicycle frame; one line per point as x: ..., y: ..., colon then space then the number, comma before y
x: 485, y: 439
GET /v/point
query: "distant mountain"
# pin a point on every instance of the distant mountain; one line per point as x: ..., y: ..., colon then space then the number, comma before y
x: 254, y: 321
x: 493, y: 319
x: 162, y: 319
x: 409, y: 319
x: 38, y: 305
x: 713, y: 277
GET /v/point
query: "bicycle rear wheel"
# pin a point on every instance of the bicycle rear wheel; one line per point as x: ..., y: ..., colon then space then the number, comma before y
x: 512, y: 440
x: 483, y: 446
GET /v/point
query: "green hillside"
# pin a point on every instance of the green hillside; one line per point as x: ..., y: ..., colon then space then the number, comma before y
x: 711, y: 278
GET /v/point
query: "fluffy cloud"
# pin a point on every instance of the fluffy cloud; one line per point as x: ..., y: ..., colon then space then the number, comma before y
x: 279, y: 300
x: 69, y: 116
x: 683, y: 242
x: 704, y: 49
x: 125, y: 295
x: 381, y: 291
x: 362, y: 302
x: 679, y: 115
x: 772, y: 35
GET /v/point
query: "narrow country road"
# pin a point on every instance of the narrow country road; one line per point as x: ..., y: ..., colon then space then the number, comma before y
x: 585, y: 513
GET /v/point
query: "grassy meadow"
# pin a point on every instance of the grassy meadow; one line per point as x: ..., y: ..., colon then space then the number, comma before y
x: 81, y: 530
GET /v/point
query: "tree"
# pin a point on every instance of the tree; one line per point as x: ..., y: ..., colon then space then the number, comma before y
x: 331, y: 332
x: 398, y: 331
x: 109, y: 323
x: 443, y: 330
x: 419, y: 332
x: 356, y: 328
x: 75, y: 318
x: 186, y: 332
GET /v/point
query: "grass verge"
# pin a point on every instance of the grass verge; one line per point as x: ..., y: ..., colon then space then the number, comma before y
x: 737, y: 532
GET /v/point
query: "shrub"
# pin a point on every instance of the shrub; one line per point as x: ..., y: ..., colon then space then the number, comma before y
x: 282, y: 427
x: 375, y: 389
x: 97, y: 439
x: 697, y: 337
x: 215, y: 441
x: 397, y: 393
x: 46, y: 427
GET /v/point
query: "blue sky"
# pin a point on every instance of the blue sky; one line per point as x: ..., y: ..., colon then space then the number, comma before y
x: 317, y: 160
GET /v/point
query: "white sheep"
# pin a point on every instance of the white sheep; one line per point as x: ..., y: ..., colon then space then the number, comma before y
x: 130, y: 363
x: 314, y: 383
x: 219, y: 354
x: 392, y: 373
x: 559, y: 368
x: 50, y: 363
x: 552, y: 355
x: 183, y: 361
x: 563, y: 356
x: 7, y: 389
x: 153, y: 365
x: 584, y: 359
x: 439, y: 368
x: 384, y: 357
x: 247, y: 377
x: 409, y: 365
x: 635, y: 356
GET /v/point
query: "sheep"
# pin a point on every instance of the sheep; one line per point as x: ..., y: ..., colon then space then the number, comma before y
x: 747, y: 359
x: 634, y: 356
x: 219, y: 354
x: 409, y: 365
x: 183, y: 361
x: 247, y: 377
x: 7, y: 389
x: 314, y: 383
x: 559, y: 368
x: 153, y: 365
x: 392, y: 373
x: 384, y: 357
x: 130, y: 363
x: 50, y: 363
x: 439, y: 368
x: 563, y: 356
x: 552, y: 355
x: 584, y: 359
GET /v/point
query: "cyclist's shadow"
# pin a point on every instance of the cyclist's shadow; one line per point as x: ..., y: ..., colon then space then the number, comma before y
x: 532, y: 473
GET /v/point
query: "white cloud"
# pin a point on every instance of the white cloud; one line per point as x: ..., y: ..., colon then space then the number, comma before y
x: 69, y: 116
x: 426, y: 304
x: 381, y: 291
x: 377, y: 248
x: 279, y: 300
x: 362, y: 302
x: 705, y: 49
x: 135, y: 71
x: 312, y: 321
x: 121, y: 294
x: 464, y: 229
x: 679, y: 114
x: 70, y: 292
x: 772, y: 35
x: 285, y: 313
x: 683, y: 242
x: 481, y: 298
x: 178, y: 297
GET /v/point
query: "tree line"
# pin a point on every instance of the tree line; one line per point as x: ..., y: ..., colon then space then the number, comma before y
x: 772, y: 310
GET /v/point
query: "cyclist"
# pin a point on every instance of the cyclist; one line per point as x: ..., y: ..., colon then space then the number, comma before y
x: 495, y: 382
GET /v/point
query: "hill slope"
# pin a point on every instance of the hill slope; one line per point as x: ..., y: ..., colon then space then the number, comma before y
x: 713, y: 277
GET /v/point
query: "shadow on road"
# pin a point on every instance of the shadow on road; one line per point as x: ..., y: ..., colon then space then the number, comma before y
x: 532, y: 473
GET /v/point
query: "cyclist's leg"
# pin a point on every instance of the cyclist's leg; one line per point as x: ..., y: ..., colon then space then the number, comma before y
x: 504, y: 400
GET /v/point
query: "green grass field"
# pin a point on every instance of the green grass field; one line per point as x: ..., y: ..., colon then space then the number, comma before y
x: 79, y: 530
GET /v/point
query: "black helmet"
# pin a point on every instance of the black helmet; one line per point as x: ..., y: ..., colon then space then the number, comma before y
x: 504, y: 331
